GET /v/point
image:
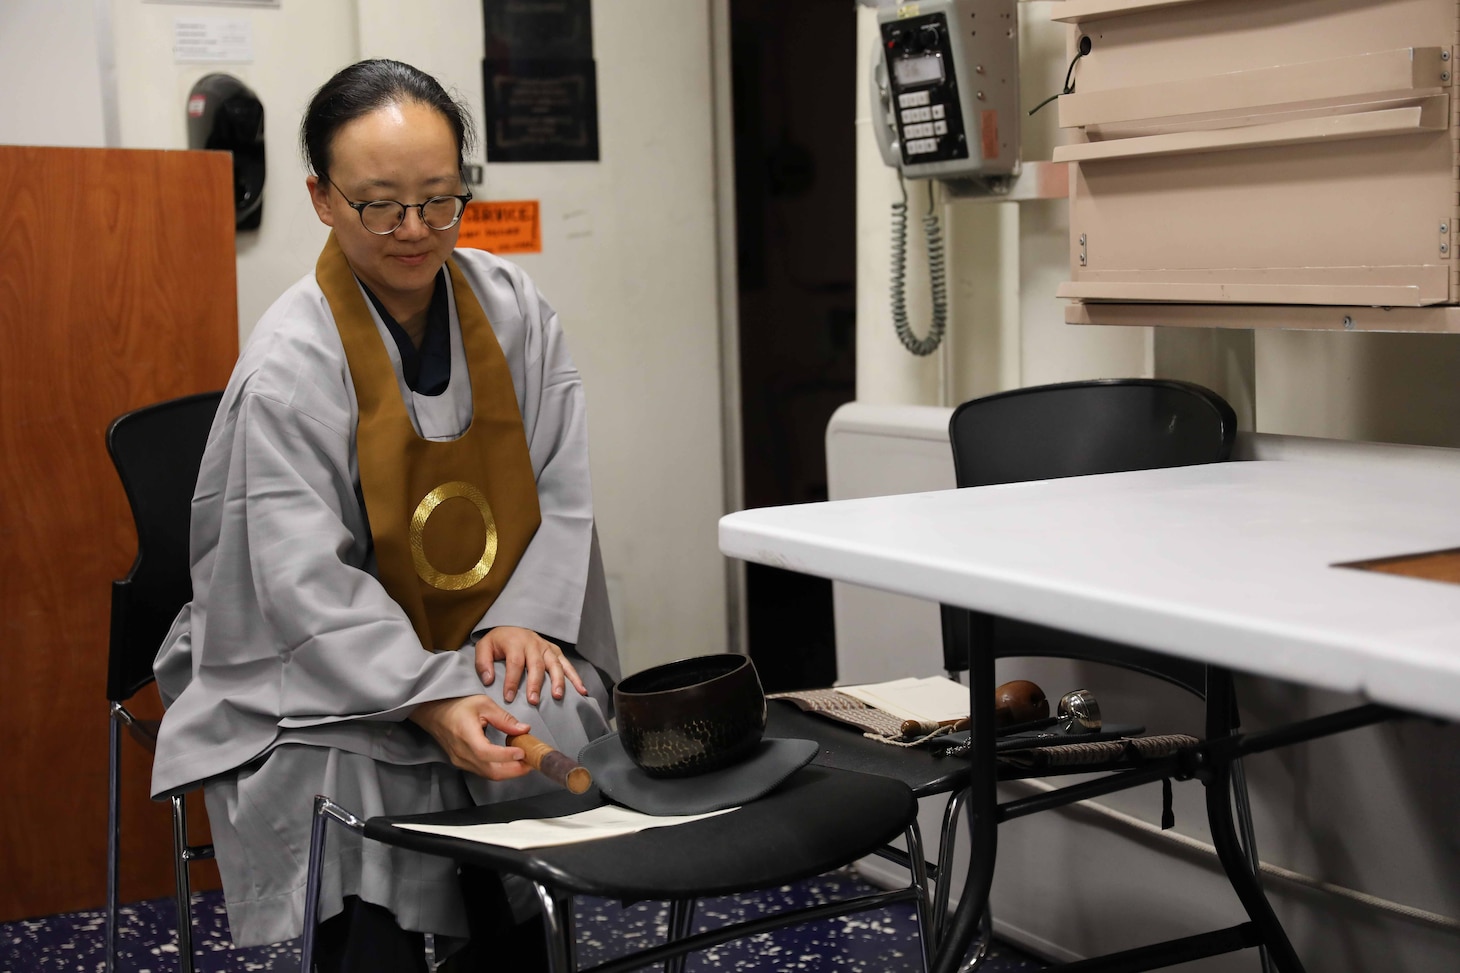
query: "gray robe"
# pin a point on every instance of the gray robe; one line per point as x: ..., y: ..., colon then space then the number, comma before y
x: 291, y: 671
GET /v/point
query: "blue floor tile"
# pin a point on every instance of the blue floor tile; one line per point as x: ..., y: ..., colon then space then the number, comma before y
x: 883, y: 941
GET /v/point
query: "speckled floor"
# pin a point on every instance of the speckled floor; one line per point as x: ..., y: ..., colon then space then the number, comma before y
x: 873, y: 942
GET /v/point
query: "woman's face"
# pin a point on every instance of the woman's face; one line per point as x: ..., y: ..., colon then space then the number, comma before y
x: 405, y: 152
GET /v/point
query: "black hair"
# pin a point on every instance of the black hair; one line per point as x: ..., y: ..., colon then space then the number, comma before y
x: 362, y: 88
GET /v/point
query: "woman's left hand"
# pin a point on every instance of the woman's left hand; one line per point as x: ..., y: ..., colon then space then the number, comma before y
x: 524, y: 650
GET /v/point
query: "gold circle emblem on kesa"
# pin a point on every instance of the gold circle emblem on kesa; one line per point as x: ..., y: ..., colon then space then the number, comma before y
x: 427, y: 572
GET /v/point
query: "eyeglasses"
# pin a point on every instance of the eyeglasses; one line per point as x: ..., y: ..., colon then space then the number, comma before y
x: 384, y: 216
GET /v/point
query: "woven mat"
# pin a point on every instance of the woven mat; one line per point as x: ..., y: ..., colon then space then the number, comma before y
x: 1102, y: 751
x: 831, y: 704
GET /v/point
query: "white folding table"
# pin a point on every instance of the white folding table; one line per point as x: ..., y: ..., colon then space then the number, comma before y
x: 1232, y: 564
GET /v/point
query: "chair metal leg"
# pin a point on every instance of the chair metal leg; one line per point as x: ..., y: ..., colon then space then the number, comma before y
x: 983, y: 822
x: 184, y: 892
x: 918, y: 873
x: 1248, y: 834
x: 943, y: 887
x: 114, y: 834
x: 311, y: 886
x: 918, y: 861
x: 985, y: 940
x: 324, y: 810
x: 557, y: 924
x: 681, y: 924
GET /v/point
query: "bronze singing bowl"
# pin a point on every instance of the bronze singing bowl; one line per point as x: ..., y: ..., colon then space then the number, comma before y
x: 692, y: 716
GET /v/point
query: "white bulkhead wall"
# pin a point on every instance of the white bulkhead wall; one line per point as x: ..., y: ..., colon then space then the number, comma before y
x: 50, y: 72
x: 629, y: 252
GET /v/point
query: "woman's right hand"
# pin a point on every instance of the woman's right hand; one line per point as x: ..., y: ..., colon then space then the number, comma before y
x: 459, y: 725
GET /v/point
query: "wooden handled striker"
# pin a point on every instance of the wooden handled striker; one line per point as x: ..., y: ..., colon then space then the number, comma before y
x: 555, y: 765
x: 911, y: 728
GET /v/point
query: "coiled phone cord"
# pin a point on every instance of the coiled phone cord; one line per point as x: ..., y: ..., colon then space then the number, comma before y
x: 937, y: 276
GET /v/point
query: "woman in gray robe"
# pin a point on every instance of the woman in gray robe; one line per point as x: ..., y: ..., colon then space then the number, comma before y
x: 313, y: 657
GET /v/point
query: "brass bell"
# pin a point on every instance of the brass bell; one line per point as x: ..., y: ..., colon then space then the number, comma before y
x: 1079, y: 711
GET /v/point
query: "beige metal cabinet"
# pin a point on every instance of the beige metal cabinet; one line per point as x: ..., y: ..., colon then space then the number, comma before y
x: 1264, y: 163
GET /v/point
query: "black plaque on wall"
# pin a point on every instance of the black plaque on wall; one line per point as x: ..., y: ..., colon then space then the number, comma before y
x: 541, y: 111
x: 540, y: 81
x: 538, y: 29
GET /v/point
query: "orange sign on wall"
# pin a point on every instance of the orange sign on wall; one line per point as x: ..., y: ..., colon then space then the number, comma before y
x: 502, y: 226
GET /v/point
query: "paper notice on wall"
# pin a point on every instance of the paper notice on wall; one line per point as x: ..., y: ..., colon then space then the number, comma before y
x: 502, y: 226
x: 198, y: 40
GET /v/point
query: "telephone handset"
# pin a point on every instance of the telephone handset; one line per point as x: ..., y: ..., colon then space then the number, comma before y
x: 882, y: 115
x: 944, y: 87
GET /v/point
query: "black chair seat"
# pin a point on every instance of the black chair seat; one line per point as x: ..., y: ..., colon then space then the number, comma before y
x: 846, y: 748
x: 795, y: 838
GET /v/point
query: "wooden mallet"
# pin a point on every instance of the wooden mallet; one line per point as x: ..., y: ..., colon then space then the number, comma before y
x: 555, y: 765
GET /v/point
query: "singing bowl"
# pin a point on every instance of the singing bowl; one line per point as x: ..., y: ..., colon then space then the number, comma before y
x: 692, y: 716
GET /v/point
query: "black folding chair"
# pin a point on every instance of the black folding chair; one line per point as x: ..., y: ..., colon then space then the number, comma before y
x: 1028, y: 434
x: 819, y: 820
x: 157, y: 451
x: 1075, y: 429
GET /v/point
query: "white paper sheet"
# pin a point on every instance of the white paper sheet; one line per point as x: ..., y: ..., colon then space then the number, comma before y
x: 933, y: 699
x: 607, y: 821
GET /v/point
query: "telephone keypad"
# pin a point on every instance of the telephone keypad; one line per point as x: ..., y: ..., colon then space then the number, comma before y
x: 928, y: 119
x: 920, y: 124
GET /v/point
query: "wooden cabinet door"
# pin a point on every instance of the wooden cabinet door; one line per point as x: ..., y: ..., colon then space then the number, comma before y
x: 117, y: 288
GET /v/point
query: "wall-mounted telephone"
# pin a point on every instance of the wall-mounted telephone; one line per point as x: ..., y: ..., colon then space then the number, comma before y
x: 945, y: 105
x: 946, y: 88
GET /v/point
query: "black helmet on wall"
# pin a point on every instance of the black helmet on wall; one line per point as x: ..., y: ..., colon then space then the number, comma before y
x: 224, y: 114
